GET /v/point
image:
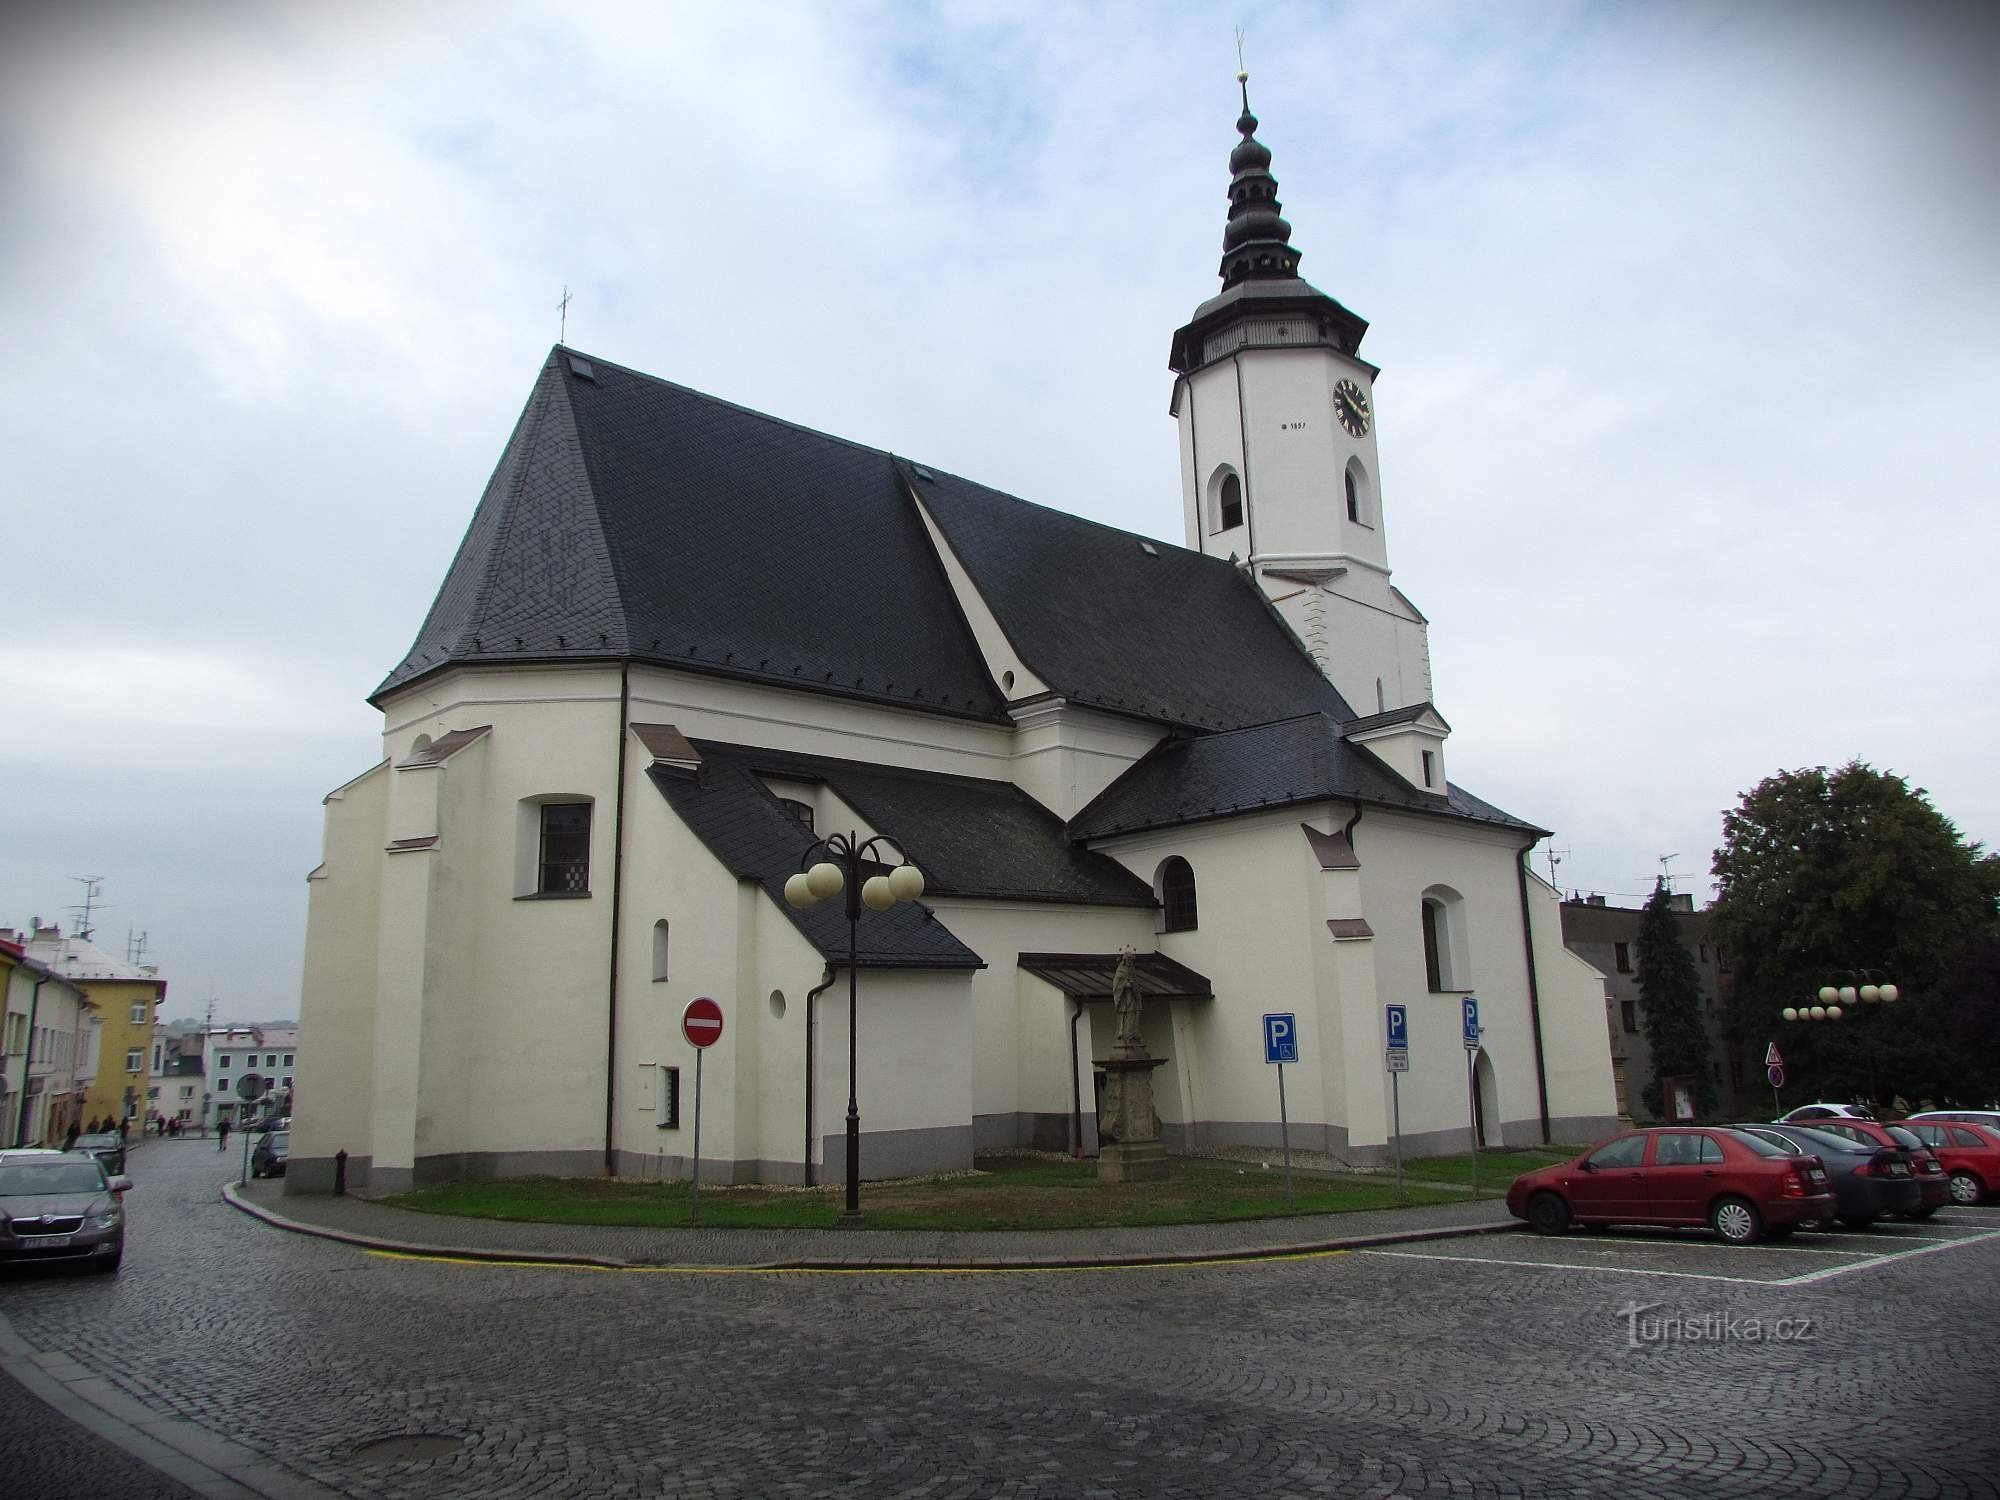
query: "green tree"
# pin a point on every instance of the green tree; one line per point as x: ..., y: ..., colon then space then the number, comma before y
x: 1670, y: 999
x: 1821, y: 872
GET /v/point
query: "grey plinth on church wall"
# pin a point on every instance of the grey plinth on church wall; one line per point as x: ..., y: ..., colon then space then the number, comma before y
x: 1132, y: 1151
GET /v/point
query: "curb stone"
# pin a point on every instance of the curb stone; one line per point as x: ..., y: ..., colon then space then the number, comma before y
x: 211, y: 1466
x: 1050, y: 1262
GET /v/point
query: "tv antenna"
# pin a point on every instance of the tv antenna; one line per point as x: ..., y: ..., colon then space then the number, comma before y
x: 91, y: 885
x: 1556, y: 857
x: 563, y: 308
x: 1666, y: 874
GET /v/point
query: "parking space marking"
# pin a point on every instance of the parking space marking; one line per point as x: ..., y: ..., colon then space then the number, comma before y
x: 1859, y: 1258
x: 1551, y: 1265
x: 1894, y: 1255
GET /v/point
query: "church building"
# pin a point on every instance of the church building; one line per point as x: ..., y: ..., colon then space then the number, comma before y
x: 683, y: 641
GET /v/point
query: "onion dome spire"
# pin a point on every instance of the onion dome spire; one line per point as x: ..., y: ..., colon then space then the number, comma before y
x: 1256, y: 242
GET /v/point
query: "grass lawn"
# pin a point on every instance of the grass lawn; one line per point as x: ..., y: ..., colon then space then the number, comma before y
x: 1497, y: 1169
x: 1009, y: 1192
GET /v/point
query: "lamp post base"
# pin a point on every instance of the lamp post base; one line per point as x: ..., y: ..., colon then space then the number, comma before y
x: 848, y: 1220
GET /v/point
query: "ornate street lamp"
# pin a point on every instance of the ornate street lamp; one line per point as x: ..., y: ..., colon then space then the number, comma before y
x: 1835, y: 999
x: 846, y: 862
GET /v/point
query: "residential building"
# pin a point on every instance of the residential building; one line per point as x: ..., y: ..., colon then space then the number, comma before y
x: 48, y: 1029
x: 231, y: 1053
x: 127, y: 996
x: 1607, y: 937
x: 682, y: 640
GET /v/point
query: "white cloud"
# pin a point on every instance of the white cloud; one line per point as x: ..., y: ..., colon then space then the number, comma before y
x: 1685, y: 313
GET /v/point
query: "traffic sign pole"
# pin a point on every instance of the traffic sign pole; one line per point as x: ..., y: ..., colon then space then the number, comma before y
x: 1285, y: 1138
x: 701, y: 1024
x: 1472, y: 1114
x: 1396, y: 1105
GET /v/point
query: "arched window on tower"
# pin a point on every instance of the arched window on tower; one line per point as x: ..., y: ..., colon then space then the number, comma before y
x: 1353, y: 498
x: 1360, y: 503
x: 1229, y: 503
x: 1176, y: 890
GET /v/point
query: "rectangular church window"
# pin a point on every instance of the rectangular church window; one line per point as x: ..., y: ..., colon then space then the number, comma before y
x: 565, y: 866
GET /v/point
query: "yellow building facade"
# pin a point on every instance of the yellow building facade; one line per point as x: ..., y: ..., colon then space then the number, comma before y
x: 127, y: 996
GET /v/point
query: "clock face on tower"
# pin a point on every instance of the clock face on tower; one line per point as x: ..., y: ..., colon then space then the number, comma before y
x: 1350, y: 404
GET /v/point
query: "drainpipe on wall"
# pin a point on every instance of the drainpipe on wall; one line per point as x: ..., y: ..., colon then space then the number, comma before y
x: 28, y: 1063
x: 1534, y: 989
x: 1075, y: 1082
x: 812, y: 1031
x: 617, y: 890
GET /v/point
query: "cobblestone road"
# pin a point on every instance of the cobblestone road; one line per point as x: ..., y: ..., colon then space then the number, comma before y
x: 1349, y: 1375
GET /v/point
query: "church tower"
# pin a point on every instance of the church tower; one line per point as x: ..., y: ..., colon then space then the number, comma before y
x: 1278, y: 464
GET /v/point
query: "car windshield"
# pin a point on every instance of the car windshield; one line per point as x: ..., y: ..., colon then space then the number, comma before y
x: 1758, y: 1144
x: 279, y: 1139
x: 1906, y: 1138
x: 26, y: 1179
x: 97, y: 1140
x: 1826, y: 1140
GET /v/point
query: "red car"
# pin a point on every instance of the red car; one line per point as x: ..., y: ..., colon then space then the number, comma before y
x: 1736, y: 1184
x: 1900, y: 1135
x: 1970, y: 1153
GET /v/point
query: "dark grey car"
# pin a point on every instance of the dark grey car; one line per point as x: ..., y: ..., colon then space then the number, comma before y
x: 107, y: 1147
x: 60, y: 1207
x: 1868, y: 1180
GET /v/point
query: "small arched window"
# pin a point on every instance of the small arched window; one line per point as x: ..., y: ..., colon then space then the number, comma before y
x: 1229, y: 503
x: 1353, y: 498
x: 1178, y: 913
x: 1446, y: 967
x: 659, y: 950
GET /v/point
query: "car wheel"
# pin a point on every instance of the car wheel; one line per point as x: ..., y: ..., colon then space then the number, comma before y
x: 1548, y: 1214
x: 1922, y: 1213
x: 1857, y: 1221
x: 1736, y: 1222
x: 108, y: 1267
x: 1966, y: 1189
x: 1596, y: 1228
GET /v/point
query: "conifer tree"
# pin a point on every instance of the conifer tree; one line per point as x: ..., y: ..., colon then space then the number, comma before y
x: 1670, y: 1000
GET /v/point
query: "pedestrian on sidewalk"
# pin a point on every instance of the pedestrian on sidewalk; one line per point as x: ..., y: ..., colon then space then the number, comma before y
x: 69, y: 1140
x: 222, y: 1136
x: 123, y: 1121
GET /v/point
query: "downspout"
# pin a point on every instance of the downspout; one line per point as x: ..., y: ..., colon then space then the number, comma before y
x: 812, y: 1032
x: 617, y: 890
x: 1075, y: 1081
x: 1534, y: 989
x: 1243, y: 432
x: 28, y: 1062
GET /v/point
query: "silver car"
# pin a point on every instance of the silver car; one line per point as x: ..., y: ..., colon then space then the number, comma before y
x: 57, y: 1206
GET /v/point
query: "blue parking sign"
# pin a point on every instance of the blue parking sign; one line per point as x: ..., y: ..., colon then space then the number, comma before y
x: 1471, y: 1021
x: 1281, y: 1037
x: 1399, y: 1027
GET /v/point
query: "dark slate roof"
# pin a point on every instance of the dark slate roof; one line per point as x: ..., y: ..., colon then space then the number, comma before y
x: 970, y: 837
x: 1166, y: 633
x: 1087, y: 976
x: 743, y: 826
x: 1284, y: 764
x: 1394, y: 716
x: 630, y: 517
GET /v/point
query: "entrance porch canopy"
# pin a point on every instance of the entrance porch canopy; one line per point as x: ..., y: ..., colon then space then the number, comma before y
x: 1087, y: 976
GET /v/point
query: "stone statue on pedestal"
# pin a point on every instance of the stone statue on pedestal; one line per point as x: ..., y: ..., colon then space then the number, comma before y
x: 1132, y: 1151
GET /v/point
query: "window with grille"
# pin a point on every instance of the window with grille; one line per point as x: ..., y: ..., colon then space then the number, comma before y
x: 565, y: 862
x: 1177, y: 895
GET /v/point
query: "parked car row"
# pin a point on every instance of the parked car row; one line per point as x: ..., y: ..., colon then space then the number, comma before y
x: 1755, y: 1181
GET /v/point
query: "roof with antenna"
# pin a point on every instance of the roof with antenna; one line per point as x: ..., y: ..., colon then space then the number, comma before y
x: 79, y: 958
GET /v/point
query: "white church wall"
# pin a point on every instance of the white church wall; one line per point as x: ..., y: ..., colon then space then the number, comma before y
x: 1021, y: 1075
x: 1253, y: 942
x: 1065, y: 754
x: 1583, y: 1102
x: 337, y: 1006
x: 915, y: 1061
x: 1403, y: 857
x: 1299, y: 453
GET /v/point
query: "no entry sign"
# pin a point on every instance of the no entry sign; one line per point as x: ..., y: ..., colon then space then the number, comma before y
x: 701, y: 1022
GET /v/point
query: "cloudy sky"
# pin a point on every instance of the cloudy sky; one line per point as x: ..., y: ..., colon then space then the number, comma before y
x: 1688, y: 314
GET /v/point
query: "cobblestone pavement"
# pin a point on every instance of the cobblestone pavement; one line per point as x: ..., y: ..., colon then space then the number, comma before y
x: 1347, y: 1375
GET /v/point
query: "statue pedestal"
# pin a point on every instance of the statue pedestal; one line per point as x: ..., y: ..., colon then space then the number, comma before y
x: 1132, y: 1151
